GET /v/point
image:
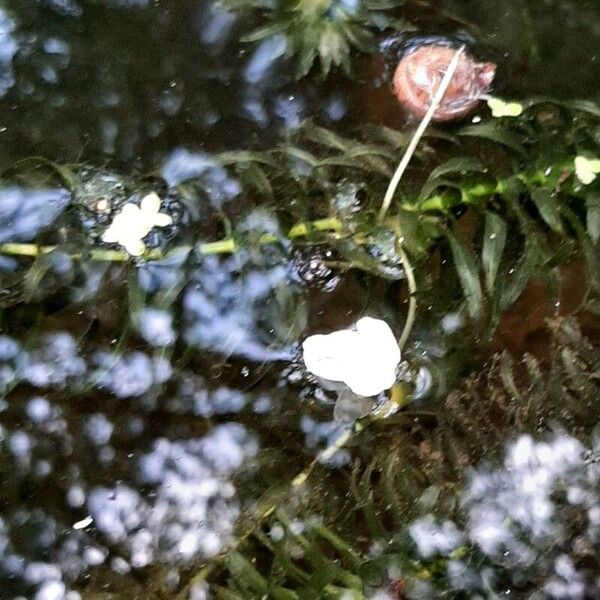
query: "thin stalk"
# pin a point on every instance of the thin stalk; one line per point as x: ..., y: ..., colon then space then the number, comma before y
x: 224, y: 246
x: 414, y: 142
x: 393, y: 186
x: 412, y: 300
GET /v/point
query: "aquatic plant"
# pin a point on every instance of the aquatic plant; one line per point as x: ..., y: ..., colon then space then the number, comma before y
x: 323, y: 29
x: 496, y: 204
x: 160, y: 436
x: 540, y: 205
x: 419, y: 526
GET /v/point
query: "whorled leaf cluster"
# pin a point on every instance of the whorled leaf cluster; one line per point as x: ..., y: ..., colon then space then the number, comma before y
x: 327, y: 30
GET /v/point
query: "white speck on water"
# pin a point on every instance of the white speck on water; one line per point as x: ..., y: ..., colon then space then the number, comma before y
x: 83, y: 523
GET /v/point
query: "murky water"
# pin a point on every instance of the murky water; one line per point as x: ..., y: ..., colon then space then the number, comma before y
x: 148, y: 405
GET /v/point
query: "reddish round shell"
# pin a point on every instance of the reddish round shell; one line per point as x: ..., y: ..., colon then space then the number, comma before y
x: 420, y: 72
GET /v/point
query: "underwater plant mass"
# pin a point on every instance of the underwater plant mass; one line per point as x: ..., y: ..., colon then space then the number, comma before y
x: 299, y: 299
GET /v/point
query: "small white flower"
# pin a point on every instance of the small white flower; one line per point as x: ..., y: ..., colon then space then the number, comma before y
x: 365, y: 359
x: 500, y: 108
x: 586, y: 169
x: 133, y: 223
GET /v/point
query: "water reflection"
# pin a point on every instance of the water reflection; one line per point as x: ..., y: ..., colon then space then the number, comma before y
x: 182, y: 165
x: 102, y: 480
x: 222, y: 306
x: 130, y: 417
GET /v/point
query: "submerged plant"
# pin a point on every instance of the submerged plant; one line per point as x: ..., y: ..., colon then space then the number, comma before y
x: 430, y: 519
x: 323, y: 29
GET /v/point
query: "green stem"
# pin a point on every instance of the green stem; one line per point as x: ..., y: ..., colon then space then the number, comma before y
x: 437, y: 203
x: 412, y: 301
x: 224, y: 246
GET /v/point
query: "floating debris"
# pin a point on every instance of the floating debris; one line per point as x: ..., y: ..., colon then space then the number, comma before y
x: 365, y: 359
x: 133, y: 223
x: 420, y: 72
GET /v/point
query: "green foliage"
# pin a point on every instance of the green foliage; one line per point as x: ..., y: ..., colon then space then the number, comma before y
x: 326, y: 30
x: 524, y: 213
x: 328, y: 545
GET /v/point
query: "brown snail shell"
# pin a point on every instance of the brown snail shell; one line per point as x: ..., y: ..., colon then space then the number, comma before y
x: 420, y: 72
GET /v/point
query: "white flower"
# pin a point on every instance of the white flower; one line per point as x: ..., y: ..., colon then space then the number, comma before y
x: 365, y: 359
x: 586, y: 169
x: 133, y: 223
x: 500, y: 108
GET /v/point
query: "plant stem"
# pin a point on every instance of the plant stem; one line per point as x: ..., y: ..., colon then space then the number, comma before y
x: 395, y: 181
x: 414, y: 142
x: 412, y: 300
x: 439, y: 203
x: 224, y: 246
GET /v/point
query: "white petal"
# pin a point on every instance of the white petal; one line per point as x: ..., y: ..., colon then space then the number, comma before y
x: 128, y: 212
x: 137, y: 230
x: 133, y: 246
x: 365, y: 359
x: 111, y: 235
x: 500, y: 108
x: 331, y: 356
x: 378, y: 341
x: 162, y: 220
x: 584, y: 169
x: 371, y: 379
x: 150, y: 204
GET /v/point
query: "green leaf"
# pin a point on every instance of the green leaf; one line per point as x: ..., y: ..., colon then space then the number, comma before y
x: 468, y: 274
x: 360, y: 37
x: 299, y: 154
x: 41, y: 167
x: 356, y: 257
x: 396, y: 139
x: 493, y: 246
x: 365, y: 163
x: 306, y: 58
x: 326, y: 137
x: 222, y: 593
x: 246, y: 156
x: 382, y: 4
x: 254, y: 176
x: 459, y: 165
x: 245, y: 573
x: 520, y: 276
x: 135, y: 294
x: 34, y: 276
x: 587, y: 106
x: 350, y: 556
x: 592, y: 204
x: 545, y: 201
x: 590, y: 256
x: 263, y: 32
x: 431, y: 185
x: 494, y: 133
